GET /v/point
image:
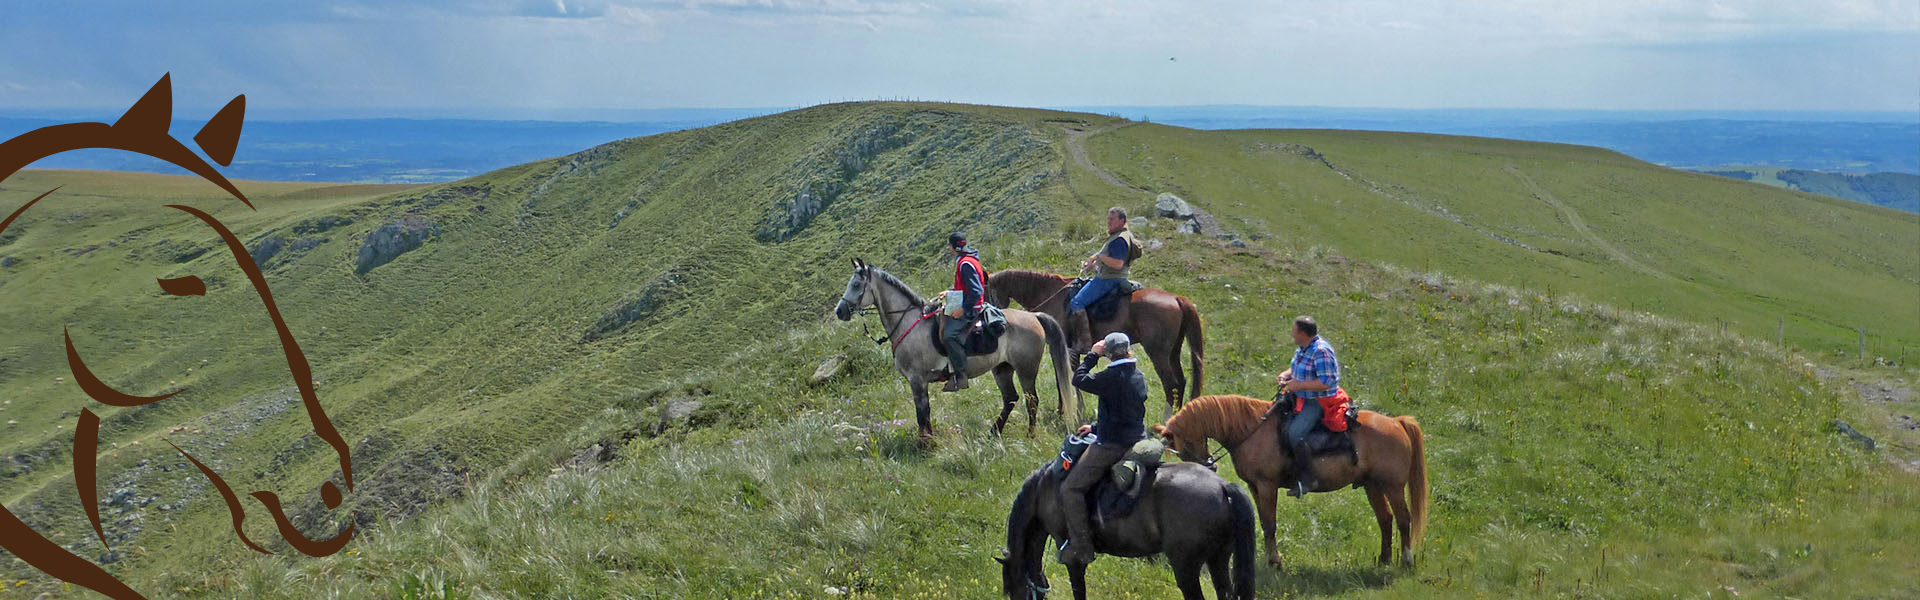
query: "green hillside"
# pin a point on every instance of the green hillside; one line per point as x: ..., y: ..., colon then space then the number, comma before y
x: 1892, y: 190
x: 662, y: 301
x: 1567, y: 218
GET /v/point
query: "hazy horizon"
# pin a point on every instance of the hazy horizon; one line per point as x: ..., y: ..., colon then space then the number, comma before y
x: 596, y: 55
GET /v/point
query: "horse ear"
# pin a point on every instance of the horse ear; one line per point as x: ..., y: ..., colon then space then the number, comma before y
x: 153, y: 114
x: 222, y: 134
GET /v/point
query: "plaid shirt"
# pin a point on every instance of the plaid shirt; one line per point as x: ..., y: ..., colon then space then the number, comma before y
x: 1315, y: 361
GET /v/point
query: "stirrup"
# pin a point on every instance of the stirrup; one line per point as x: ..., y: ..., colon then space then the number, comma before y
x: 1299, y: 489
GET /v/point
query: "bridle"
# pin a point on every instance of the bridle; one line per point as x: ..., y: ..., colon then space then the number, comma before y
x: 866, y: 276
x: 1225, y: 449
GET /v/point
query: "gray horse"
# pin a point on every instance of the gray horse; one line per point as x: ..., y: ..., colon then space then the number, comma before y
x: 1029, y: 337
x: 1191, y: 515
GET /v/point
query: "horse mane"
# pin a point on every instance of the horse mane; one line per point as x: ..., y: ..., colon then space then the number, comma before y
x: 1025, y: 276
x: 1021, y: 516
x: 1224, y: 417
x: 1020, y: 283
x: 901, y: 286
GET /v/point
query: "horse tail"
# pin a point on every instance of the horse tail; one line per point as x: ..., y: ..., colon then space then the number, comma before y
x: 1190, y: 329
x: 1057, y: 348
x: 1416, y: 478
x: 1244, y: 557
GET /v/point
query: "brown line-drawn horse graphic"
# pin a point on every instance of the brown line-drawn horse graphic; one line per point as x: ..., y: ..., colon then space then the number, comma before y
x: 143, y: 130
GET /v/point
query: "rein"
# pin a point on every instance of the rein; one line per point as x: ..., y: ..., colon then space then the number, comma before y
x: 879, y: 308
x: 881, y: 339
x: 1228, y: 448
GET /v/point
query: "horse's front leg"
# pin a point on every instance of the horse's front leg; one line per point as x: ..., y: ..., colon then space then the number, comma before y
x: 1078, y: 575
x: 1265, y: 496
x: 922, y: 410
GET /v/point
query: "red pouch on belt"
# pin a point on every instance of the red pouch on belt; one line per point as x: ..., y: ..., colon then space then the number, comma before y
x: 1334, y: 410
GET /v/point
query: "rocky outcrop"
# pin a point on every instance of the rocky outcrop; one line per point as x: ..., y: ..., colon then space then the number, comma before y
x: 275, y: 245
x: 389, y: 241
x: 844, y: 162
x: 639, y: 305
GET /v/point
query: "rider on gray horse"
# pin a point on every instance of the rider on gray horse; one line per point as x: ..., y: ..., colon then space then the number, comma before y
x: 1110, y: 270
x: 1121, y: 422
x: 970, y: 279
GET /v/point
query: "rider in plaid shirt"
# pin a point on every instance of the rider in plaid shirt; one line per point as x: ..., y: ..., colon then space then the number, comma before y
x: 1315, y: 374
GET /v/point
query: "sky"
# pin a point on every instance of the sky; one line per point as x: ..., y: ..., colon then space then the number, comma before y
x: 500, y: 58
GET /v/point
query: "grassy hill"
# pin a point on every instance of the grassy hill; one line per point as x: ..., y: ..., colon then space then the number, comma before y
x: 661, y: 301
x: 1892, y: 190
x: 1566, y: 218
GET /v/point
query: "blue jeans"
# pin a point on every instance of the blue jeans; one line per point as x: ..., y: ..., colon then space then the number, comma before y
x: 1303, y: 423
x: 1092, y: 291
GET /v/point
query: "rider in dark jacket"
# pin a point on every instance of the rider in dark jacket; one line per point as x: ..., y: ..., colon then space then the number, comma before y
x: 1121, y: 422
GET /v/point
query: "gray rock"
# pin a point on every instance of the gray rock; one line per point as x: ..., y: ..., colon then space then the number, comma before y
x: 829, y: 369
x: 679, y: 410
x: 1137, y: 222
x: 1187, y: 227
x: 1155, y: 244
x: 1172, y: 207
x: 389, y: 241
x: 1849, y: 431
x: 1237, y: 243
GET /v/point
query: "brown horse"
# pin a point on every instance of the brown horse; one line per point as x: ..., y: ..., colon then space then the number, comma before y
x: 1157, y: 320
x: 1392, y: 463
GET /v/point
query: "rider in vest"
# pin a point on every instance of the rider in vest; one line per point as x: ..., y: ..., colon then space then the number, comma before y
x: 1110, y: 269
x: 1313, y: 380
x: 1121, y: 422
x: 970, y: 279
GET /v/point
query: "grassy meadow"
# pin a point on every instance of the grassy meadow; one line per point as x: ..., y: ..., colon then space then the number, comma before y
x: 592, y: 378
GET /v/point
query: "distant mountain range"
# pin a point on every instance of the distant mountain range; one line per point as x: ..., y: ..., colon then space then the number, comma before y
x: 423, y: 150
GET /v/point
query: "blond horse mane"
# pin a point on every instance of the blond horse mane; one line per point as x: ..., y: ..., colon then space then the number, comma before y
x: 1225, y: 418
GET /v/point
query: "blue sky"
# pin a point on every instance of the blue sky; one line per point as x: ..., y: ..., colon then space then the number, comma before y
x: 543, y: 55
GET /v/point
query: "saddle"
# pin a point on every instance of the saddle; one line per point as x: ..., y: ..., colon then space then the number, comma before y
x: 1105, y: 307
x: 1321, y: 441
x: 982, y: 336
x: 1120, y: 491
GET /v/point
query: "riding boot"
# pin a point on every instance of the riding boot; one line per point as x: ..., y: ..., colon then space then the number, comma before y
x: 1303, y: 470
x: 1079, y: 547
x: 1079, y: 331
x: 1075, y: 496
x: 956, y: 382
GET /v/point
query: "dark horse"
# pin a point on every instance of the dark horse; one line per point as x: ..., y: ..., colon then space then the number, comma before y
x: 1157, y: 320
x: 1192, y: 515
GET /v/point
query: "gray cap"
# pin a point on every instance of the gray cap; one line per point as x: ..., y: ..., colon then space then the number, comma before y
x: 1116, y: 343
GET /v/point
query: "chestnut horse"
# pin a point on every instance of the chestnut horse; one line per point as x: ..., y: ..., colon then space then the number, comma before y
x: 1157, y: 320
x: 1392, y: 463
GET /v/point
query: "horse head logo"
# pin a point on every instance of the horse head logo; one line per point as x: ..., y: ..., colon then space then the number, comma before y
x: 143, y: 130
